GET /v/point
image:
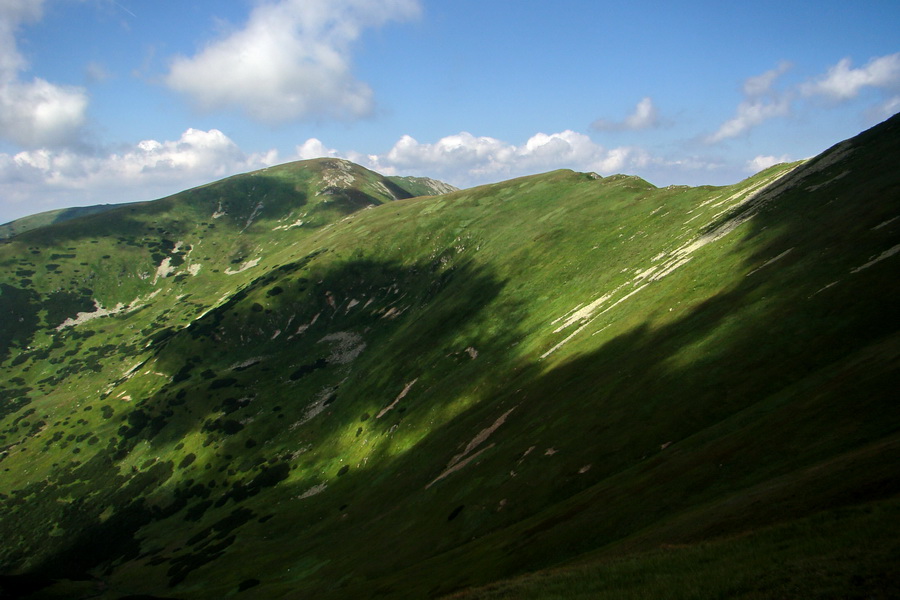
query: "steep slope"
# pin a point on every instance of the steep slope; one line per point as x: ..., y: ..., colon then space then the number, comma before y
x: 423, y: 186
x: 372, y: 184
x: 440, y: 392
x: 202, y: 243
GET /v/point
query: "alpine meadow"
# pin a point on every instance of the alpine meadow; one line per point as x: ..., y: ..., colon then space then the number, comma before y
x: 315, y: 381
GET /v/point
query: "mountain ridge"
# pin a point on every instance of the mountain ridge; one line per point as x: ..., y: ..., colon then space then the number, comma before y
x: 337, y: 178
x: 443, y: 392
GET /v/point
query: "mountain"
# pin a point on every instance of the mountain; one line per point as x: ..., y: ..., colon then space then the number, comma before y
x: 387, y: 187
x: 299, y: 383
x: 49, y: 217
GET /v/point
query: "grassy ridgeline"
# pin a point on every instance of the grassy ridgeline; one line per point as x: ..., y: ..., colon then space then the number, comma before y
x: 303, y: 382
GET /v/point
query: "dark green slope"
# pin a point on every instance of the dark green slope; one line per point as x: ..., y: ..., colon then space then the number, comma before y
x: 7, y: 230
x: 441, y: 392
x: 394, y: 187
x: 202, y: 242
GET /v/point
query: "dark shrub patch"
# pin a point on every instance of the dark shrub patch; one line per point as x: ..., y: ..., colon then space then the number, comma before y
x: 271, y: 476
x: 18, y: 316
x: 229, y: 405
x: 183, y: 373
x: 222, y: 383
x: 307, y: 369
x: 230, y: 427
x: 195, y: 513
x: 137, y: 420
x: 455, y: 512
x: 247, y: 584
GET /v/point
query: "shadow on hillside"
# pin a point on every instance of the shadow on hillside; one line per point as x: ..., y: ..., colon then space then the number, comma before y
x: 619, y: 407
x: 233, y: 200
x: 754, y: 387
x: 301, y: 318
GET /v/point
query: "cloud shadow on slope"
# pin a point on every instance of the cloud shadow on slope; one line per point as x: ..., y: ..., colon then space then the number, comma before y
x: 597, y: 396
x: 793, y: 408
x: 415, y: 312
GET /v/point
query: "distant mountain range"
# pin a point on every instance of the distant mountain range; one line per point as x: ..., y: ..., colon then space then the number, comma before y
x: 313, y: 381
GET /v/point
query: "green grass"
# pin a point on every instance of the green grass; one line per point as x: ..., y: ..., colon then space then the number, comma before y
x: 849, y: 553
x: 719, y: 393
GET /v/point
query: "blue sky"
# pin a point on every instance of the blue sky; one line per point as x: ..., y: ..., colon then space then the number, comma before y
x: 125, y: 100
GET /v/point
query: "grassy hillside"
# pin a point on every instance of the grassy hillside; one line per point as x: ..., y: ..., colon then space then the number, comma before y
x: 7, y: 230
x: 298, y: 383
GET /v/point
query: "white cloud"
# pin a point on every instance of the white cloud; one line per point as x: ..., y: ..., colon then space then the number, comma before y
x: 147, y: 170
x: 39, y: 113
x: 842, y: 82
x: 645, y: 116
x: 465, y: 160
x: 314, y: 148
x: 751, y: 113
x: 12, y: 14
x: 33, y: 113
x: 36, y: 180
x: 760, y: 85
x: 291, y: 60
x: 761, y: 103
x: 761, y: 162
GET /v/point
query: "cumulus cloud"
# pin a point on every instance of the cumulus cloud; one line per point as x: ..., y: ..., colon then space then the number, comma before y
x: 761, y: 162
x: 464, y: 159
x: 291, y: 60
x: 147, y: 170
x: 33, y: 113
x: 842, y: 82
x: 39, y: 113
x: 645, y: 116
x: 761, y: 103
x: 314, y: 148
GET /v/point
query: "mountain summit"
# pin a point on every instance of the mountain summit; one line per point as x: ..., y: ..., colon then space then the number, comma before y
x: 305, y: 381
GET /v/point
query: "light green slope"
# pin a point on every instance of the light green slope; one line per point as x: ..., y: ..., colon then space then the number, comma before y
x: 319, y: 398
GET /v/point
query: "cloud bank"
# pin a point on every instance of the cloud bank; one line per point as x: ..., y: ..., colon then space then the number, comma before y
x: 152, y: 168
x: 148, y: 170
x: 290, y: 61
x: 464, y: 159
